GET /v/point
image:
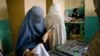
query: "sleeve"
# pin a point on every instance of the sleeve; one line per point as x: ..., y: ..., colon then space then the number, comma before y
x: 40, y: 40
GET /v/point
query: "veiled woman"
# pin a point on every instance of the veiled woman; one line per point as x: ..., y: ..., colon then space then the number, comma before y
x: 32, y: 31
x: 55, y: 20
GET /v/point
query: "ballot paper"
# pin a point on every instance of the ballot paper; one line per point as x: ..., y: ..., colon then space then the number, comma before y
x: 40, y: 50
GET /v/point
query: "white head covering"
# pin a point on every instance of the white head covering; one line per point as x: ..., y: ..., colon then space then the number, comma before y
x: 54, y: 9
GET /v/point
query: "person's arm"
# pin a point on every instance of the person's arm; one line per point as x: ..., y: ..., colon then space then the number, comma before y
x: 29, y: 53
x: 47, y: 35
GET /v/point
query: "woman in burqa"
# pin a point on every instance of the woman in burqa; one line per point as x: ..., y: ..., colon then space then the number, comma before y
x: 55, y: 20
x: 32, y: 30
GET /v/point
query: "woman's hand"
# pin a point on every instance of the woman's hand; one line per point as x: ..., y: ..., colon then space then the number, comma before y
x: 29, y: 53
x: 47, y: 35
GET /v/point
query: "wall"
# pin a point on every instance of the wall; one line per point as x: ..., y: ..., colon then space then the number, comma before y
x: 70, y: 4
x: 91, y: 26
x: 89, y: 8
x: 3, y: 13
x: 48, y: 4
x: 3, y: 10
x: 16, y: 15
x: 91, y: 20
x: 5, y: 29
x: 29, y: 3
x: 5, y: 36
x: 45, y: 4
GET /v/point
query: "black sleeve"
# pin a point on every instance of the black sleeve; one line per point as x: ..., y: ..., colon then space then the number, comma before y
x: 40, y: 39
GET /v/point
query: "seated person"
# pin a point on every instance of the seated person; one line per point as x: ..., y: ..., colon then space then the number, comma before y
x: 76, y: 14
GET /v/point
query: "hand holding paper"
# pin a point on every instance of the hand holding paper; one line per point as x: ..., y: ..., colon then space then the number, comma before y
x: 47, y: 34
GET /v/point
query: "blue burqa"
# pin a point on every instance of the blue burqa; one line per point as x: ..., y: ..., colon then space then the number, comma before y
x: 32, y: 30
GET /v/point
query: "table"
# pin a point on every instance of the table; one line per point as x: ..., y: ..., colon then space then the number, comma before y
x: 81, y: 29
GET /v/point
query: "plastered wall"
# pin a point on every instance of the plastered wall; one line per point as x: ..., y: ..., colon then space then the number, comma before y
x: 89, y: 8
x: 29, y: 3
x: 3, y: 10
x: 70, y: 4
x: 3, y: 13
x: 16, y: 15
